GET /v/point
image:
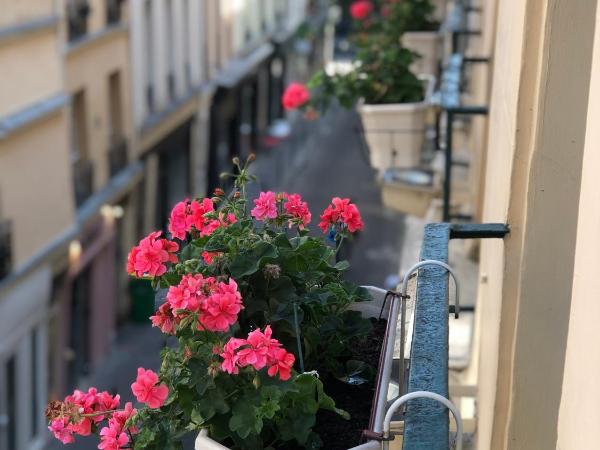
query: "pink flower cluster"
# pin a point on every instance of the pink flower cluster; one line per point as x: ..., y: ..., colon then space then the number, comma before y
x: 91, y: 403
x: 341, y: 213
x: 295, y: 96
x: 150, y: 256
x: 147, y: 390
x: 195, y: 214
x: 294, y: 209
x: 361, y: 9
x: 298, y: 210
x: 216, y: 303
x: 114, y: 436
x: 259, y: 350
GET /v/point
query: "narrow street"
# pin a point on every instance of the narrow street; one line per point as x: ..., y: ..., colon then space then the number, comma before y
x: 324, y: 159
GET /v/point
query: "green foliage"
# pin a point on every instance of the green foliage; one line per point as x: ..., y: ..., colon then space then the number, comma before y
x: 277, y: 269
x: 381, y: 67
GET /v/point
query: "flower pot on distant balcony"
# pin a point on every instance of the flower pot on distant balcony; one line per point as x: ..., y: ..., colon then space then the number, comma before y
x: 409, y: 191
x: 427, y: 45
x: 395, y: 132
x: 373, y: 309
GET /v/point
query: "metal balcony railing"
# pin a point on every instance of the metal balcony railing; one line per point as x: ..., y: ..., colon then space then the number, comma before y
x: 117, y: 156
x: 83, y: 180
x: 425, y: 420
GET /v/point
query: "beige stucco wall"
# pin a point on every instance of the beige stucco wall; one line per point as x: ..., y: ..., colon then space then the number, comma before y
x: 36, y: 191
x: 579, y: 413
x: 22, y: 61
x: 535, y: 147
x: 24, y: 11
x: 88, y: 67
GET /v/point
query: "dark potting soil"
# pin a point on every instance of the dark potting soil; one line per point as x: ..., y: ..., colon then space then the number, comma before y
x: 336, y: 432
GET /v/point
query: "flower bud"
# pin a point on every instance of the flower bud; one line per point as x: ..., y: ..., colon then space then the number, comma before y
x: 272, y: 271
x: 214, y: 369
x: 236, y: 160
x: 237, y: 194
x: 219, y: 192
x: 251, y: 157
x: 256, y: 382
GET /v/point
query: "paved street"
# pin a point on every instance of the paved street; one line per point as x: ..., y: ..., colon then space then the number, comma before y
x: 323, y: 159
x: 320, y: 160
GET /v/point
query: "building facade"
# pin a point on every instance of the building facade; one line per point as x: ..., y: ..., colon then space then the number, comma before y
x: 533, y: 165
x: 125, y: 107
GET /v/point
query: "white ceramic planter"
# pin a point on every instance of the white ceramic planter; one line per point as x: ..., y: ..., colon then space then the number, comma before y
x: 395, y: 132
x: 428, y: 45
x: 368, y: 310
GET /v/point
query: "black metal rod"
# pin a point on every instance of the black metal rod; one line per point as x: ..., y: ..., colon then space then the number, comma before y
x: 478, y: 230
x: 475, y: 110
x: 476, y: 59
x: 448, y: 166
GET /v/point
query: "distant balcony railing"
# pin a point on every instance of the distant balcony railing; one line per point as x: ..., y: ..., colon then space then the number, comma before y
x: 77, y: 13
x: 117, y: 156
x: 425, y: 421
x: 83, y: 181
x: 5, y: 248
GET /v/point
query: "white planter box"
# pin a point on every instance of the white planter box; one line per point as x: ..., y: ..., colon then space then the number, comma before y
x: 368, y: 309
x: 428, y: 45
x: 395, y: 132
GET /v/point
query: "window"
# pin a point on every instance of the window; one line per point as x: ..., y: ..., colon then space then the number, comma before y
x: 35, y: 404
x: 187, y: 71
x: 117, y: 152
x: 113, y: 11
x: 77, y: 14
x: 82, y: 167
x: 5, y: 249
x: 170, y: 50
x: 149, y: 48
x: 11, y: 402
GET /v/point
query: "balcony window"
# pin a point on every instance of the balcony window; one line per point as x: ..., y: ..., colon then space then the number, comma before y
x: 117, y: 155
x: 113, y: 11
x: 5, y: 249
x: 77, y: 14
x: 83, y: 181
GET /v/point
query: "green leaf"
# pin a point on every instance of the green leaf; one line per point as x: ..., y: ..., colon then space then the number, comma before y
x: 249, y: 262
x: 245, y: 419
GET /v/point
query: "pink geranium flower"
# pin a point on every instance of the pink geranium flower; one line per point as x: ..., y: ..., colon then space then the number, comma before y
x: 259, y: 350
x: 361, y: 9
x: 164, y: 319
x: 266, y: 207
x: 282, y: 363
x: 197, y: 215
x: 229, y: 355
x: 298, y: 209
x: 295, y: 96
x: 147, y: 390
x: 59, y: 427
x: 179, y: 223
x: 341, y: 213
x: 112, y: 437
x: 221, y: 308
x: 149, y: 258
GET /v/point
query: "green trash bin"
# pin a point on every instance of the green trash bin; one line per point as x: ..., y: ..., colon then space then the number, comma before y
x: 142, y: 299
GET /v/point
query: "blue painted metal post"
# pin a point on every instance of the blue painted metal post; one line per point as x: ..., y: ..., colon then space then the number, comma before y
x: 426, y: 421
